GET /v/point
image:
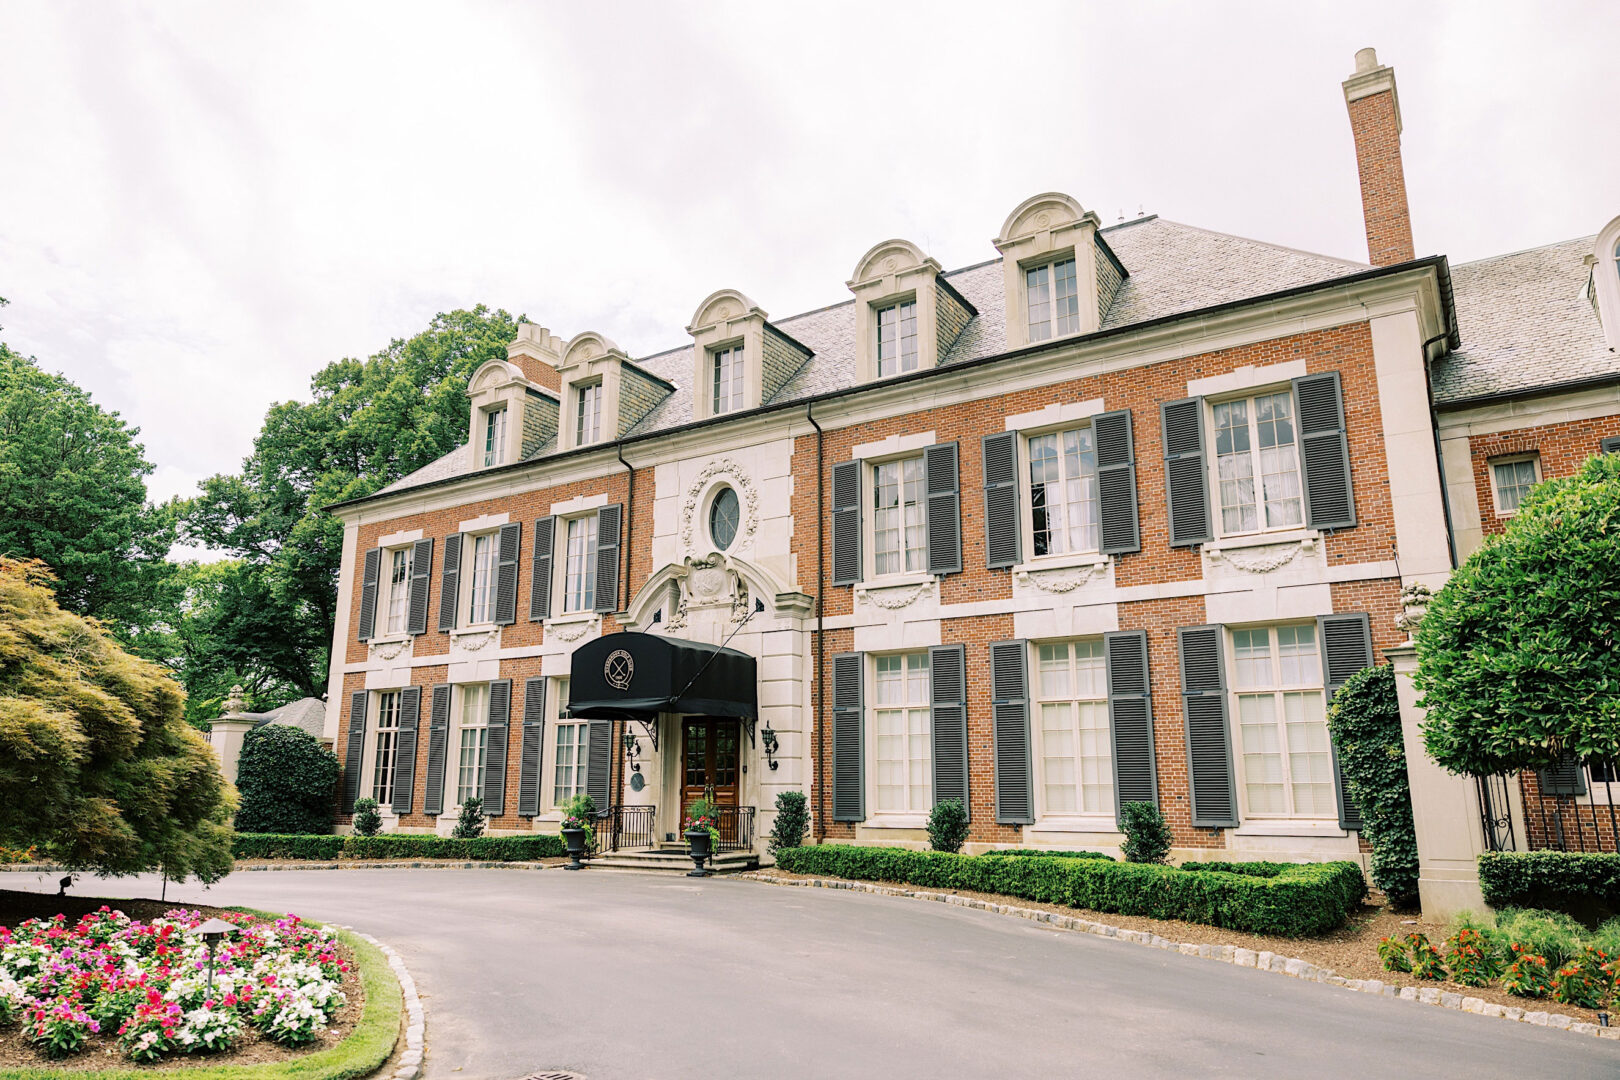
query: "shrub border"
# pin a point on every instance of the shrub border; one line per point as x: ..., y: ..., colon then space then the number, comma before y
x: 1276, y: 963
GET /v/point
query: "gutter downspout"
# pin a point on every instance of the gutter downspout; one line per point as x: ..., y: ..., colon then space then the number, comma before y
x: 1439, y: 454
x: 820, y: 831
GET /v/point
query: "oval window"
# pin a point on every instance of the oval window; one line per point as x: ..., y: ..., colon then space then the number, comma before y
x: 724, y: 514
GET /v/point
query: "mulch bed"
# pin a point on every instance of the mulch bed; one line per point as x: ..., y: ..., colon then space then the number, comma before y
x: 103, y: 1052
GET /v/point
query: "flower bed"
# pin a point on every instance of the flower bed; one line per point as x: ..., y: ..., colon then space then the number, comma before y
x: 141, y: 989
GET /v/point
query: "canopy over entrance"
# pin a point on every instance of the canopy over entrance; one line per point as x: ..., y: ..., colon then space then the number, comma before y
x: 645, y: 674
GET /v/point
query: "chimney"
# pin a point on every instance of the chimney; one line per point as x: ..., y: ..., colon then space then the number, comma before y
x: 1375, y: 120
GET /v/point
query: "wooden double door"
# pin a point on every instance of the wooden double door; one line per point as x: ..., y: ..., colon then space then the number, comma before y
x: 711, y: 760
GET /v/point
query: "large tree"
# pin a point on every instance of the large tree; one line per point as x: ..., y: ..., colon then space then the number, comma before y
x: 97, y: 764
x: 1519, y: 653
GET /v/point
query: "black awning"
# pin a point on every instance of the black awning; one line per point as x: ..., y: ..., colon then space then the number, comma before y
x: 643, y: 674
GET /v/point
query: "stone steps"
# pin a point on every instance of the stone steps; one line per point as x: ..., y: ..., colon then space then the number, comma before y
x: 673, y: 860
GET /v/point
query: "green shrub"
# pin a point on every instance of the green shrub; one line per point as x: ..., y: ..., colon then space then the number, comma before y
x: 1585, y: 981
x: 1607, y: 937
x: 1527, y: 976
x: 1472, y: 957
x: 1365, y: 721
x: 947, y: 825
x: 367, y: 822
x: 1426, y: 961
x: 1050, y: 854
x: 1491, y: 939
x: 397, y: 846
x: 792, y: 821
x: 1147, y: 837
x: 288, y: 782
x: 1392, y: 951
x: 1258, y: 868
x: 1584, y: 885
x: 1309, y: 898
x: 1551, y: 934
x: 470, y: 822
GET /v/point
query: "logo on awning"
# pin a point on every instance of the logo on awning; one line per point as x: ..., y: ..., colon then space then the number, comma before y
x: 619, y: 669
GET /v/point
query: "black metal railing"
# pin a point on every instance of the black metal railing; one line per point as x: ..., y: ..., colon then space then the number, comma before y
x: 625, y: 828
x: 1567, y: 823
x: 736, y: 825
x: 1495, y: 815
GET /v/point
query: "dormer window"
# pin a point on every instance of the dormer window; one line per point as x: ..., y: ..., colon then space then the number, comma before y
x: 897, y: 339
x: 587, y: 413
x: 1604, y: 281
x: 1053, y: 298
x: 727, y: 367
x: 1058, y: 274
x: 495, y: 437
x: 907, y: 315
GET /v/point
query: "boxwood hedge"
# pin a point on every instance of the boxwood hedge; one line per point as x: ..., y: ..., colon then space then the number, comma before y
x: 1585, y: 885
x: 1299, y: 900
x: 396, y: 846
x: 1050, y: 854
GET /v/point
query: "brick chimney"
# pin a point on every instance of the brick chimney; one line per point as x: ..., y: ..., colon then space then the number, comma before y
x: 1375, y: 120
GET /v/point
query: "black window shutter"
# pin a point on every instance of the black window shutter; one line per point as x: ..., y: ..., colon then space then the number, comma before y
x: 1130, y: 717
x: 1009, y: 709
x: 506, y: 574
x: 1324, y: 452
x: 944, y: 508
x: 500, y: 719
x: 849, y: 738
x: 368, y: 594
x: 1186, y: 486
x: 410, y: 714
x: 438, y: 733
x: 534, y: 728
x: 356, y: 753
x: 1116, y: 482
x: 599, y: 763
x: 545, y: 534
x: 846, y: 523
x: 947, y: 673
x: 421, y: 576
x: 607, y: 557
x: 1346, y: 649
x: 1611, y: 445
x: 1001, y: 545
x: 1565, y: 778
x: 450, y: 583
x: 1209, y: 737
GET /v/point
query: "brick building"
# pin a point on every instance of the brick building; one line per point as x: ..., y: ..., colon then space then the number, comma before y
x: 1104, y: 518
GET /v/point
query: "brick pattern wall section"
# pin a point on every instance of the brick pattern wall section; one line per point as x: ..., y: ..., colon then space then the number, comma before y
x: 950, y: 319
x: 1108, y: 283
x: 1376, y: 127
x: 1562, y: 449
x: 1569, y: 823
x: 781, y: 360
x: 538, y: 371
x: 539, y: 423
x: 639, y: 394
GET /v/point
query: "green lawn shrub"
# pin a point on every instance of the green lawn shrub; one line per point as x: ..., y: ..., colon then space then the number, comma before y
x: 947, y: 825
x: 1365, y: 721
x: 1051, y: 854
x: 397, y: 846
x: 792, y: 821
x: 287, y: 780
x: 1306, y: 899
x: 1147, y: 835
x: 1584, y: 885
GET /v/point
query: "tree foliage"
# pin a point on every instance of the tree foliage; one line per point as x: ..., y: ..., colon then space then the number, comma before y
x: 1517, y: 657
x: 288, y: 781
x: 1365, y: 721
x: 97, y: 764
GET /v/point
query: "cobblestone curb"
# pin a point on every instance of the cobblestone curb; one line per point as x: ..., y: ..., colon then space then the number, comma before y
x: 1275, y: 963
x: 410, y: 1062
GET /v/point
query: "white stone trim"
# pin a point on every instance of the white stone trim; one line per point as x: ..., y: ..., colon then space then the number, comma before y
x: 410, y: 1062
x: 1056, y: 414
x: 1247, y: 378
x: 340, y: 632
x: 1305, y: 827
x: 894, y: 446
x: 1416, y: 502
x: 399, y: 539
x: 484, y: 523
x: 579, y: 504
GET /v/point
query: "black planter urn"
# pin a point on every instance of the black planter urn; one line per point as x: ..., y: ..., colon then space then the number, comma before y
x: 575, y: 839
x: 700, y: 845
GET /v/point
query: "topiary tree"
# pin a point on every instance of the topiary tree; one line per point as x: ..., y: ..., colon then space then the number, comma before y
x: 367, y: 822
x: 1147, y: 837
x: 288, y: 782
x: 470, y: 822
x: 792, y: 821
x: 1365, y: 721
x: 1518, y: 662
x: 947, y: 825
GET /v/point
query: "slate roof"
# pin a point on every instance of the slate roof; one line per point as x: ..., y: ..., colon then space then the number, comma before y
x: 1527, y: 323
x: 306, y: 713
x: 1172, y: 269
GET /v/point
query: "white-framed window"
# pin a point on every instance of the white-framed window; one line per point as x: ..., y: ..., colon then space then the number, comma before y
x: 587, y: 413
x: 1076, y: 755
x: 495, y: 437
x: 570, y: 750
x: 1257, y: 464
x: 1062, y: 492
x: 399, y: 589
x: 472, y: 742
x: 579, y: 575
x: 481, y: 588
x: 1513, y: 479
x: 1285, y: 763
x: 1051, y: 292
x: 901, y: 735
x: 897, y: 339
x: 899, y: 528
x: 385, y: 748
x: 728, y: 379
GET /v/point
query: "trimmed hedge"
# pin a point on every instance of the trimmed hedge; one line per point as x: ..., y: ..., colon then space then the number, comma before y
x: 397, y: 846
x: 1301, y: 900
x: 1050, y: 854
x: 1586, y: 886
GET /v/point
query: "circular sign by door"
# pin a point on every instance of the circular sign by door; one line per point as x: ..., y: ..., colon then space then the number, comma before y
x: 619, y: 669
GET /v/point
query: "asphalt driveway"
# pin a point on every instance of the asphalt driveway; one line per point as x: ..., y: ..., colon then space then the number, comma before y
x: 637, y: 976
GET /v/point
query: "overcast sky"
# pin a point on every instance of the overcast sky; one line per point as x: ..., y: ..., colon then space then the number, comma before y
x: 202, y: 204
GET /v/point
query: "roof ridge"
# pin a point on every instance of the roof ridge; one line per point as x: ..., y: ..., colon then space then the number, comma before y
x: 1590, y: 238
x: 1267, y: 243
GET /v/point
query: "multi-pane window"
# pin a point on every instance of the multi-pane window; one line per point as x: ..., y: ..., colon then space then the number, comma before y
x: 1257, y: 464
x: 728, y: 379
x: 901, y: 735
x: 386, y: 756
x: 474, y: 744
x: 579, y: 576
x: 1077, y: 759
x: 897, y: 339
x: 1054, y: 302
x: 1514, y: 479
x: 481, y: 608
x: 588, y: 413
x: 1283, y: 737
x: 571, y: 746
x: 399, y: 589
x: 495, y: 437
x: 1063, y: 492
x: 899, y: 532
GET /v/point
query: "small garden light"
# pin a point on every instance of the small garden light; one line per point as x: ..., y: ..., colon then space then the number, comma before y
x: 213, y: 932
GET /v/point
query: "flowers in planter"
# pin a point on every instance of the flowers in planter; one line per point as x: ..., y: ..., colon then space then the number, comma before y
x: 148, y: 985
x: 701, y: 815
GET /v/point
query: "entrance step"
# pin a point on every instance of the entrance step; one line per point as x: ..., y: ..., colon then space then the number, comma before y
x: 675, y: 860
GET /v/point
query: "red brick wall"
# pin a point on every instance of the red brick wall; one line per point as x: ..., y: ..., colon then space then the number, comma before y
x: 1377, y: 132
x: 1563, y: 448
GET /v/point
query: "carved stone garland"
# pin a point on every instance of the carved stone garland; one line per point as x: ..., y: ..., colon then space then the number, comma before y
x: 721, y: 469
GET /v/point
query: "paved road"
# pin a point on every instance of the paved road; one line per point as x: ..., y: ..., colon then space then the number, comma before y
x: 637, y: 976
